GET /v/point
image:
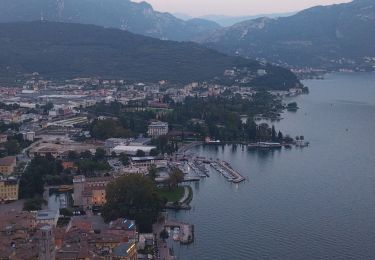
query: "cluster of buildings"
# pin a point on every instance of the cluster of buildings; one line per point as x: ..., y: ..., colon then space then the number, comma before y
x: 27, y: 235
x: 69, y: 97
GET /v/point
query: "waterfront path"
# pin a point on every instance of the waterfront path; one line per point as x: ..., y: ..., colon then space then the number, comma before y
x: 163, y: 248
x: 186, y: 195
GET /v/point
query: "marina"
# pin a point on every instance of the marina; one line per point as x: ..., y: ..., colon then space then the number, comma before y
x: 227, y: 171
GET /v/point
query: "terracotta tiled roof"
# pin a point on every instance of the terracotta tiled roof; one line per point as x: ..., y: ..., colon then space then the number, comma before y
x: 7, y: 161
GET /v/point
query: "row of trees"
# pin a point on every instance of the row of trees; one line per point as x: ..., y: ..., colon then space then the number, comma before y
x: 89, y: 164
x: 108, y: 128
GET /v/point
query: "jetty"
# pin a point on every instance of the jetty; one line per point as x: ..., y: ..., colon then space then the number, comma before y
x: 227, y: 171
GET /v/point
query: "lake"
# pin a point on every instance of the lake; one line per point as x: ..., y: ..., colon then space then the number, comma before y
x: 312, y: 203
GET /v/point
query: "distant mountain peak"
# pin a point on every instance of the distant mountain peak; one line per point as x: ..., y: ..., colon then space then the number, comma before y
x: 138, y: 18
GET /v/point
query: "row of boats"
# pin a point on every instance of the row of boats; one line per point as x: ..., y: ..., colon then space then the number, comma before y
x: 195, y: 168
x: 230, y: 174
x: 199, y: 168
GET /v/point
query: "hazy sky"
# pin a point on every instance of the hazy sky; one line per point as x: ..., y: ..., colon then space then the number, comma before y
x: 235, y: 7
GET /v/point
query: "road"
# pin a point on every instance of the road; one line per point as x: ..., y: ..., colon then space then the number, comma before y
x: 164, y: 252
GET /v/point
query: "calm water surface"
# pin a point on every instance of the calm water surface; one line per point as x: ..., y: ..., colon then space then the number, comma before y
x: 312, y: 203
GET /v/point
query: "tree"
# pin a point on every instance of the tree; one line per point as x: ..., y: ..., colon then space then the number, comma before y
x: 66, y: 212
x: 88, y: 167
x: 175, y: 177
x: 12, y: 147
x: 73, y: 155
x: 100, y: 154
x: 140, y: 153
x: 34, y: 204
x: 273, y: 133
x: 86, y: 155
x: 280, y: 136
x: 104, y: 129
x: 40, y: 170
x: 288, y: 139
x: 264, y: 132
x: 124, y: 159
x: 152, y: 172
x: 47, y: 107
x: 154, y: 152
x: 134, y: 197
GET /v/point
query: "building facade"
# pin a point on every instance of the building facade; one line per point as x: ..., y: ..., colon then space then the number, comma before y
x: 7, y: 165
x: 9, y: 190
x: 46, y: 244
x: 148, y: 161
x: 90, y: 192
x: 47, y: 217
x: 157, y: 128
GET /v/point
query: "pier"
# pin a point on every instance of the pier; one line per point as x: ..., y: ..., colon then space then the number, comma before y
x: 227, y: 171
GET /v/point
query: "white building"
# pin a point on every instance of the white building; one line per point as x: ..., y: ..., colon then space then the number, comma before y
x: 48, y: 217
x: 157, y: 128
x: 148, y: 161
x: 111, y: 143
x: 132, y: 150
x: 29, y: 136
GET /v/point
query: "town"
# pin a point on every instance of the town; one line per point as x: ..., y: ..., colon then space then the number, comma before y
x: 65, y: 146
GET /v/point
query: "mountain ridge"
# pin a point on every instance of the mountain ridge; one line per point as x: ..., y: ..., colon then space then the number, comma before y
x: 67, y: 50
x: 138, y: 18
x: 331, y: 37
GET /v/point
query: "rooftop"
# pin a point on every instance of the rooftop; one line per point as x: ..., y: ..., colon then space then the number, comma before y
x: 122, y: 249
x: 146, y: 158
x: 158, y: 123
x: 46, y: 214
x: 133, y: 148
x: 7, y: 161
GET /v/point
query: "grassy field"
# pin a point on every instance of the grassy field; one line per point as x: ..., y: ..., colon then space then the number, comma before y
x: 172, y: 195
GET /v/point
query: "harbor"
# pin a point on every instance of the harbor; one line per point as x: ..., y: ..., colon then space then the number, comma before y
x: 194, y: 168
